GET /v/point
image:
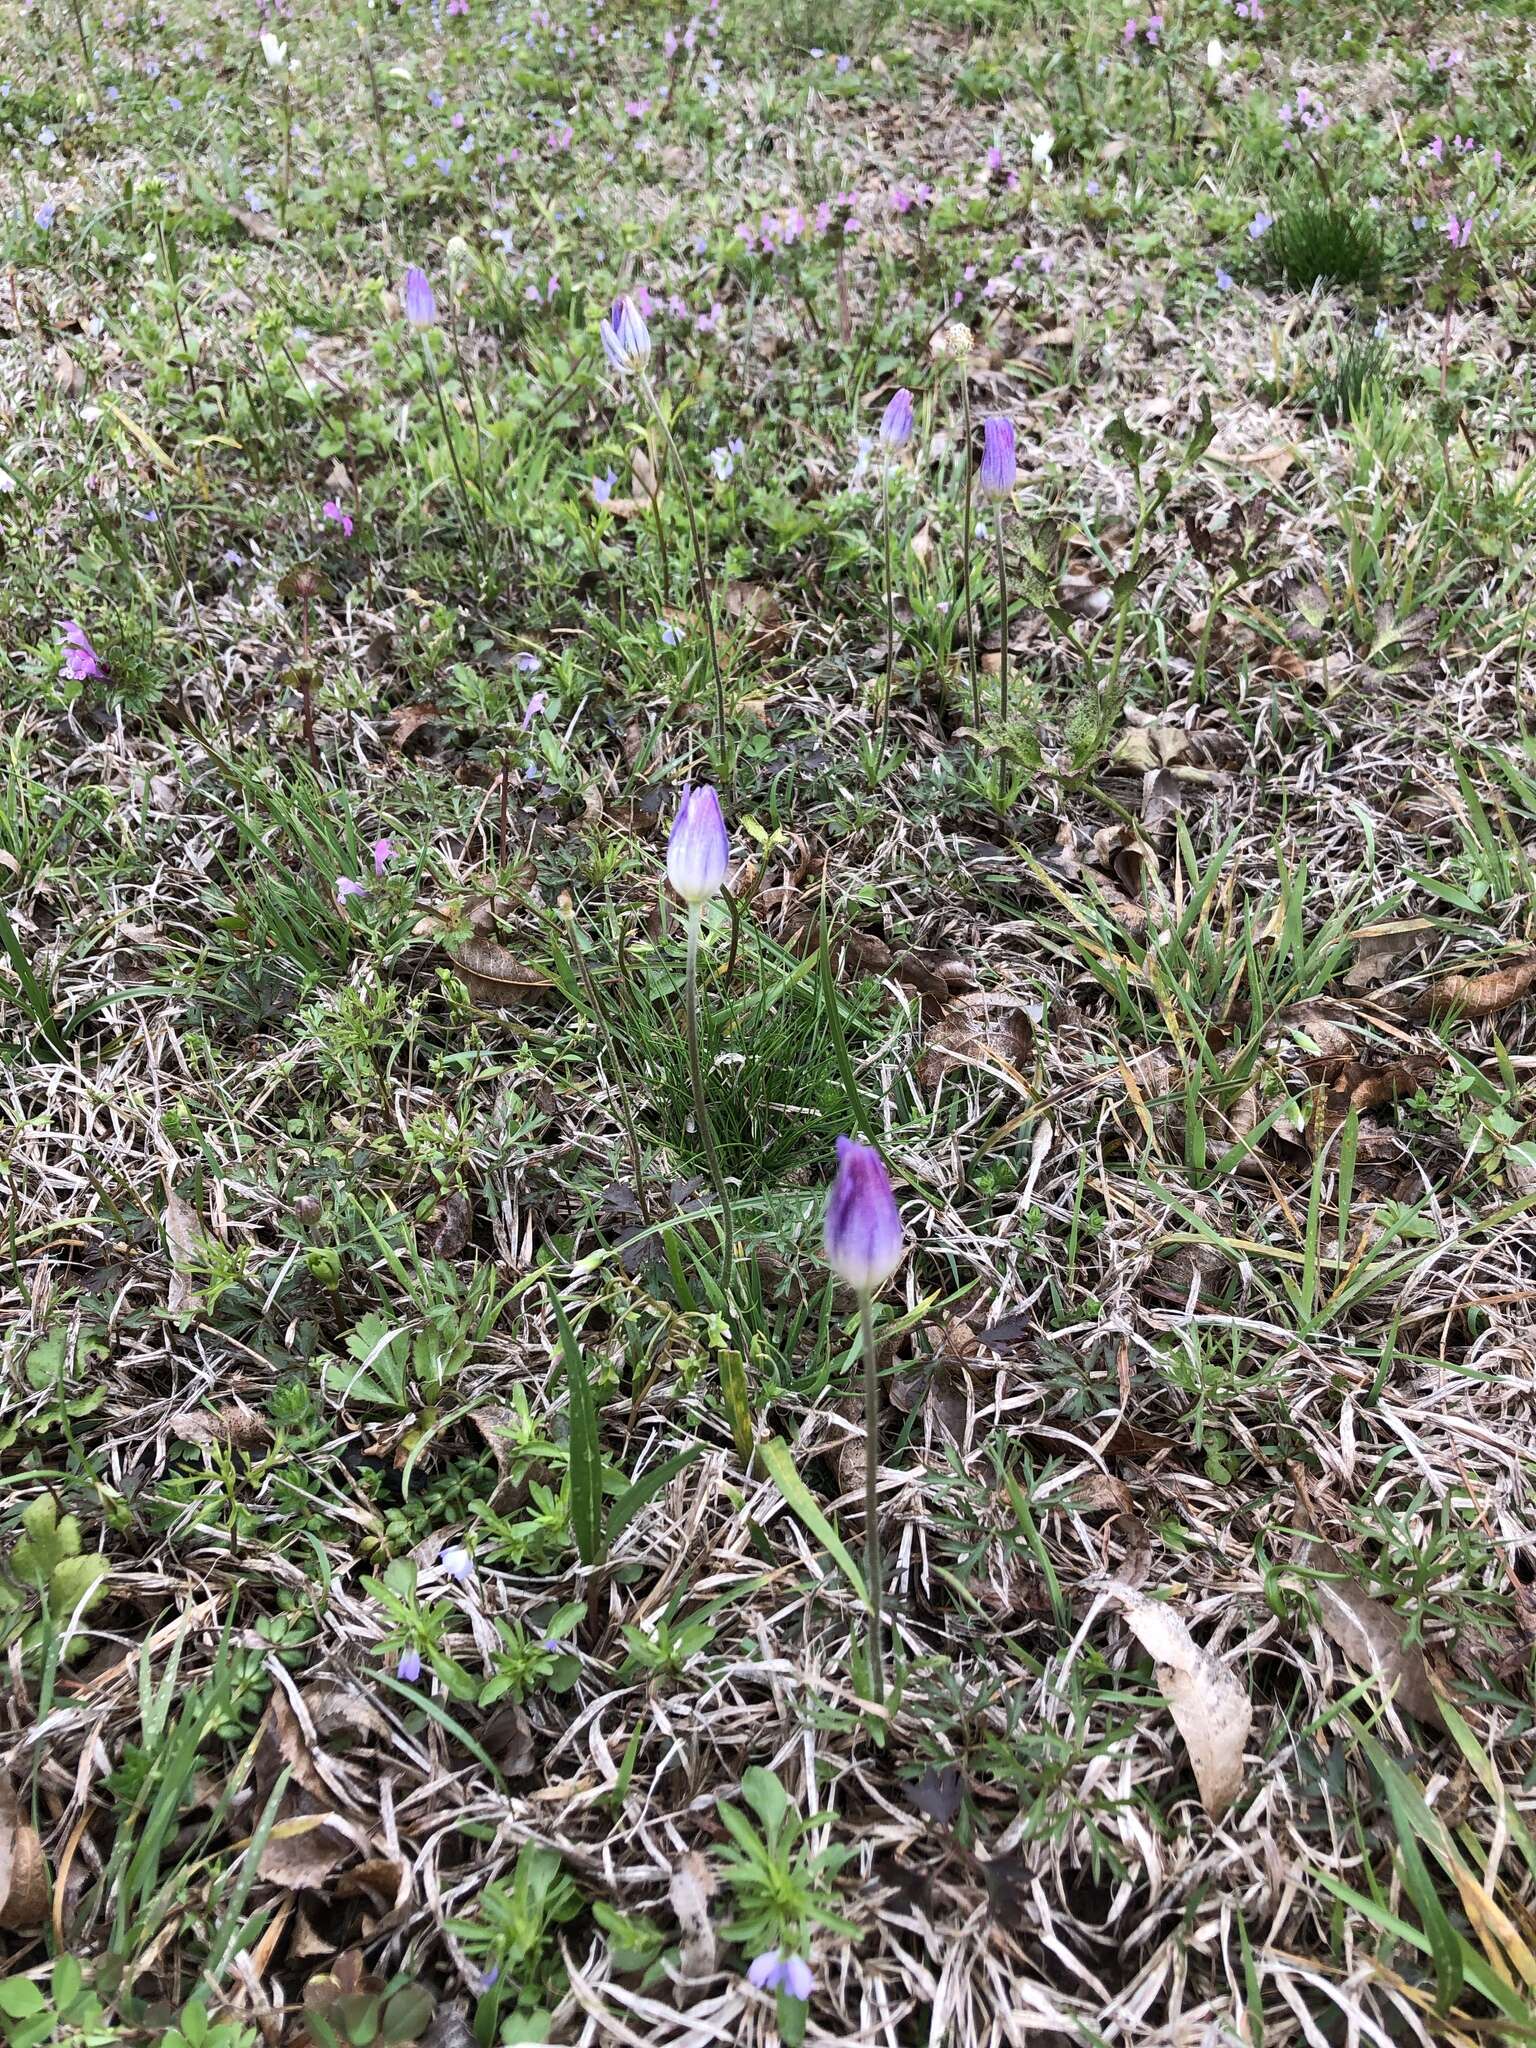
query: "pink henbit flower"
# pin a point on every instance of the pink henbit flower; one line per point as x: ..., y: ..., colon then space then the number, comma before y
x: 1458, y: 232
x: 534, y: 709
x: 346, y: 888
x: 331, y: 510
x: 383, y: 851
x: 82, y: 664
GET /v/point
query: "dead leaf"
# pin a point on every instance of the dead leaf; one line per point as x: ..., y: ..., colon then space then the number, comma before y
x: 987, y: 1029
x: 1209, y: 1705
x: 496, y: 978
x: 1362, y: 1085
x: 692, y: 1887
x: 754, y: 606
x: 939, y: 1794
x: 68, y: 377
x: 1477, y: 995
x: 261, y: 227
x: 1162, y: 798
x: 404, y: 724
x: 451, y: 1226
x: 1270, y: 463
x: 23, y: 1869
x: 183, y: 1229
x: 233, y: 1424
x: 303, y: 1852
x: 1379, y: 947
x: 1371, y: 1634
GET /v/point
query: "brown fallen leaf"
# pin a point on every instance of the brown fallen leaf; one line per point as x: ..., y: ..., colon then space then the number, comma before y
x: 1210, y: 1707
x: 755, y: 607
x: 1477, y: 995
x: 451, y: 1226
x: 496, y: 978
x: 68, y: 377
x: 261, y: 227
x: 404, y: 724
x: 305, y: 1851
x: 233, y: 1424
x: 23, y: 1868
x: 1379, y: 947
x: 1362, y: 1085
x: 1372, y: 1635
x: 987, y: 1029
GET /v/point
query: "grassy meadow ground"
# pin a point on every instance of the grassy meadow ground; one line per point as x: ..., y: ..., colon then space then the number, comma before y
x: 432, y: 1549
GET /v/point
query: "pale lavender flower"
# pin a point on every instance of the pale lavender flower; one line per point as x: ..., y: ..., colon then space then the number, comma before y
x: 419, y: 299
x: 698, y: 848
x: 775, y: 1971
x: 1260, y: 226
x: 626, y: 338
x: 528, y: 663
x: 863, y: 1237
x: 383, y: 851
x: 999, y: 469
x: 346, y: 889
x: 535, y: 709
x: 896, y: 420
x: 457, y: 1563
x: 409, y: 1667
x: 332, y: 511
x: 602, y: 486
x: 1459, y: 232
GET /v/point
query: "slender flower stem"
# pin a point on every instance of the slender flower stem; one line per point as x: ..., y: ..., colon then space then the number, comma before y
x: 965, y: 551
x: 702, y: 571
x: 890, y: 622
x: 872, y: 1569
x: 453, y: 456
x: 700, y: 1106
x: 600, y: 1017
x: 654, y: 494
x: 1002, y: 599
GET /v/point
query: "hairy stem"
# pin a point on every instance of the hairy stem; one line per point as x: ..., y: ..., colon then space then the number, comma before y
x: 700, y: 1106
x: 702, y: 571
x: 965, y: 552
x: 890, y: 624
x: 871, y: 1491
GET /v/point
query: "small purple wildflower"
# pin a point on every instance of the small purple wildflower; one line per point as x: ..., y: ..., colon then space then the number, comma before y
x: 409, y: 1667
x: 535, y: 708
x: 457, y: 1563
x: 419, y: 299
x: 82, y: 664
x: 999, y: 467
x: 383, y: 851
x: 332, y: 510
x: 346, y: 888
x: 896, y: 420
x: 602, y: 486
x: 775, y: 1971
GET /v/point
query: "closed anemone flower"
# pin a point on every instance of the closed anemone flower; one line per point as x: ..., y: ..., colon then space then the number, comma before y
x: 626, y: 338
x: 699, y: 849
x: 896, y: 421
x: 999, y: 469
x: 420, y: 300
x: 863, y: 1239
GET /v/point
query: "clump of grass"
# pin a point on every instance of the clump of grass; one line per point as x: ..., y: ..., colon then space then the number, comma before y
x: 1343, y: 389
x: 1325, y: 241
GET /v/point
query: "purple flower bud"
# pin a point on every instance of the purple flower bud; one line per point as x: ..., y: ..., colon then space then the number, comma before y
x: 420, y: 302
x: 896, y: 421
x: 765, y: 1970
x: 797, y: 1977
x: 699, y: 849
x: 626, y: 338
x: 409, y: 1667
x: 998, y: 469
x: 863, y: 1237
